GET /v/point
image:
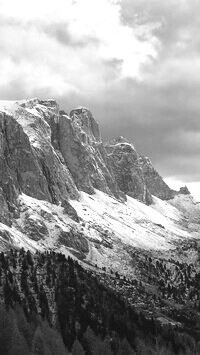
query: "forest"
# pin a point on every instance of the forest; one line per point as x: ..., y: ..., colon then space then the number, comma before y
x: 50, y: 304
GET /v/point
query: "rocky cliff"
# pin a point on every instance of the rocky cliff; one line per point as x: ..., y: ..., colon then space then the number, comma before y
x: 50, y: 155
x: 28, y: 161
x: 154, y: 181
x: 128, y: 173
x: 79, y: 142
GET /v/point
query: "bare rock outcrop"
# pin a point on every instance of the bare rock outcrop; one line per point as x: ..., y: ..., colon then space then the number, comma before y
x: 125, y: 163
x: 184, y: 190
x: 38, y: 119
x: 154, y: 181
x: 28, y: 160
x: 19, y: 167
x: 83, y: 152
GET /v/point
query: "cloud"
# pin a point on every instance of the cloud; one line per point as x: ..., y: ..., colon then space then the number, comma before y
x: 135, y: 64
x: 62, y: 34
x: 76, y: 42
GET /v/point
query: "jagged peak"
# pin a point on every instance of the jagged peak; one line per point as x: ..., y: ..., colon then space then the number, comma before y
x: 85, y: 123
x: 33, y: 101
x: 120, y: 141
x: 79, y: 110
x: 145, y: 160
x: 63, y: 113
x: 11, y: 106
x: 184, y: 190
x: 49, y: 103
x: 83, y: 115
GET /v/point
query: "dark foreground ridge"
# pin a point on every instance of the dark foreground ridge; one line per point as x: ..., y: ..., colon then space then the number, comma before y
x: 51, y: 305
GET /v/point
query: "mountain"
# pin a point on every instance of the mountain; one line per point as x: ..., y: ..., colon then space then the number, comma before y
x: 63, y: 188
x: 99, y: 214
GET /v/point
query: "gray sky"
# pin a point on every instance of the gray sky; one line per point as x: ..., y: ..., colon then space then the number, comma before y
x: 134, y: 63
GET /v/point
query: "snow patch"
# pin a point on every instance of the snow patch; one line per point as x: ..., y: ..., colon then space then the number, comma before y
x: 33, y: 111
x: 18, y: 239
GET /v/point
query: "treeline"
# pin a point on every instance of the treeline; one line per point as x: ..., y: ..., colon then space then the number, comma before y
x: 51, y: 305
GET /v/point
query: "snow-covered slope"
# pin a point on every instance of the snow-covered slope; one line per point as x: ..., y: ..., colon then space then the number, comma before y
x: 191, y: 210
x: 108, y: 233
x: 132, y: 222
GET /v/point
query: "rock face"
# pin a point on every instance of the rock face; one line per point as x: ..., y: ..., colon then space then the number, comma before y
x: 35, y: 228
x: 38, y: 119
x: 5, y: 214
x: 125, y: 164
x: 70, y: 211
x: 28, y: 162
x: 85, y: 125
x: 19, y: 167
x: 79, y: 142
x: 154, y: 182
x: 184, y: 190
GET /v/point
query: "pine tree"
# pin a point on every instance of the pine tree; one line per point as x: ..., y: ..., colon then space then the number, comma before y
x: 53, y: 340
x: 77, y: 348
x: 38, y: 344
x: 125, y: 348
x: 25, y: 327
x: 18, y: 345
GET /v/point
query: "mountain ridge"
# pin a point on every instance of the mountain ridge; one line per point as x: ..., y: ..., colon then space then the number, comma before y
x: 62, y: 188
x: 76, y: 140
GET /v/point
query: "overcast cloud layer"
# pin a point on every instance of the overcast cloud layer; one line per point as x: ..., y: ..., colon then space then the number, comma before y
x: 134, y: 63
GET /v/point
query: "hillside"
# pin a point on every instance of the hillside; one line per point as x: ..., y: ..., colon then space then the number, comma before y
x: 56, y: 306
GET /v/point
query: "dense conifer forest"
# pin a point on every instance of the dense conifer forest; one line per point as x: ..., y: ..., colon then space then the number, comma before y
x: 51, y: 305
